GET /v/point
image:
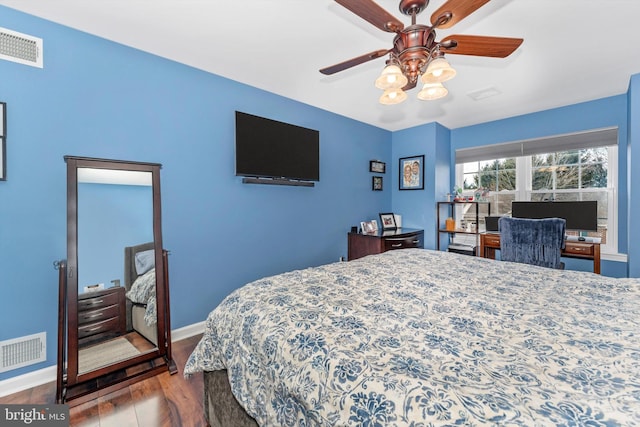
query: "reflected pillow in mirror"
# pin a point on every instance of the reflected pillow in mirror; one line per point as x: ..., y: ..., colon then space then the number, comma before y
x: 145, y: 261
x: 143, y: 288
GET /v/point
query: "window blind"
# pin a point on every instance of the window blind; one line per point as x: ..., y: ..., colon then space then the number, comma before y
x: 551, y: 144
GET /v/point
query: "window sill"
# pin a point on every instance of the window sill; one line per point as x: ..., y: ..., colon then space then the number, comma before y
x: 613, y: 257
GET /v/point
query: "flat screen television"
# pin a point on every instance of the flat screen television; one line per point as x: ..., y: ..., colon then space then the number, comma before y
x: 268, y: 148
x: 580, y: 215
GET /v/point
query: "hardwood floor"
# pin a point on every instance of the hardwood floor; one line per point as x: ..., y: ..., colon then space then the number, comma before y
x: 163, y: 400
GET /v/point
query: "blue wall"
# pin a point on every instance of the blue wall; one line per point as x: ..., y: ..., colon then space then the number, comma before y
x: 417, y: 207
x: 96, y: 98
x: 110, y: 217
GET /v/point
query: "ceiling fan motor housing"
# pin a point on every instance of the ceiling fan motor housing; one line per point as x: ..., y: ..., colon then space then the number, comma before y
x: 412, y: 47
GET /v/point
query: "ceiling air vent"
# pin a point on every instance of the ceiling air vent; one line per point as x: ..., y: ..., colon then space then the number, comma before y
x: 21, y: 48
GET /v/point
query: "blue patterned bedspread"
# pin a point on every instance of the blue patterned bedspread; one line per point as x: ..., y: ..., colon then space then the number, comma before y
x: 423, y: 338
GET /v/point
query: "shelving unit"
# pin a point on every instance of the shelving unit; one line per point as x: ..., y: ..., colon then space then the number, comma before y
x: 451, y: 212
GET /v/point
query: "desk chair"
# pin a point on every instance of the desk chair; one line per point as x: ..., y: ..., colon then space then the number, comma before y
x: 532, y: 241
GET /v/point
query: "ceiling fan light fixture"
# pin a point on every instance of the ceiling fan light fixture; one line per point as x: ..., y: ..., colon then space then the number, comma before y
x: 432, y: 91
x: 391, y: 78
x: 393, y: 96
x: 438, y: 71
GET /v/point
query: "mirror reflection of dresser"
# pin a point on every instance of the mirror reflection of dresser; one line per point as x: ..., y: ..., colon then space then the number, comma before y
x: 114, y: 323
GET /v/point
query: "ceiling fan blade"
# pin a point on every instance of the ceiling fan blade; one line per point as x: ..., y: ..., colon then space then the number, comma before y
x: 456, y: 11
x: 496, y: 47
x: 354, y: 61
x: 374, y: 14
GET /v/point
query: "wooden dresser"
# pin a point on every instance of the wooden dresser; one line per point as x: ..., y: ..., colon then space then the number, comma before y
x: 101, y: 314
x: 368, y: 244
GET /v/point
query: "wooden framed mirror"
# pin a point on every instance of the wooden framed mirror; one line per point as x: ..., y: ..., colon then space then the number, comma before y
x: 114, y: 323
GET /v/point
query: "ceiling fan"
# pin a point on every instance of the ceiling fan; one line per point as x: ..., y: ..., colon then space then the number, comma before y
x: 416, y: 52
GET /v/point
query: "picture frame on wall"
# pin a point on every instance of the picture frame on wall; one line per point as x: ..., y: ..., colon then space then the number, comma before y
x: 3, y: 141
x: 388, y: 221
x: 377, y: 166
x: 411, y: 173
x: 376, y: 183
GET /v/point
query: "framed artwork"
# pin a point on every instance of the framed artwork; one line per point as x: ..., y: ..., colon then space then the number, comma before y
x: 3, y: 141
x: 411, y: 172
x: 376, y: 183
x: 377, y: 166
x: 388, y: 221
x: 369, y: 227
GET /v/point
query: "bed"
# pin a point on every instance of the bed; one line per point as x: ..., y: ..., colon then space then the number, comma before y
x: 417, y: 337
x: 140, y: 285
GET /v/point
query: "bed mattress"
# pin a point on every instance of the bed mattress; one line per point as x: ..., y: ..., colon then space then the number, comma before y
x: 424, y: 338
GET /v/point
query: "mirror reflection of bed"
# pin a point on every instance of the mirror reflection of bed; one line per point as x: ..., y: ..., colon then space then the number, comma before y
x: 119, y: 323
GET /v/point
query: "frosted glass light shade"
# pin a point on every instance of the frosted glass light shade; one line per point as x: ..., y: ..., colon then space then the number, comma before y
x: 391, y: 78
x: 431, y: 91
x: 393, y: 96
x: 438, y: 71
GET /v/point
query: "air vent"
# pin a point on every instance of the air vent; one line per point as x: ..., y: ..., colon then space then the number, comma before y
x: 484, y: 93
x: 23, y: 351
x: 20, y: 48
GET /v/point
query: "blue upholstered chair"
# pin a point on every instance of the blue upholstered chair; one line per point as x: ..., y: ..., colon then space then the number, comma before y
x: 532, y: 241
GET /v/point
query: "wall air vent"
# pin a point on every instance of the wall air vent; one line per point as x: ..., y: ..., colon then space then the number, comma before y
x: 20, y: 48
x: 23, y: 351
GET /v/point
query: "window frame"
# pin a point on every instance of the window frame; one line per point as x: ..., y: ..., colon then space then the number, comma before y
x: 524, y: 190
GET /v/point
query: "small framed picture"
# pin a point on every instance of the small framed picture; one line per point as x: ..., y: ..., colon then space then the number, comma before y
x: 388, y: 221
x: 411, y: 173
x: 369, y: 227
x: 377, y: 166
x: 376, y: 183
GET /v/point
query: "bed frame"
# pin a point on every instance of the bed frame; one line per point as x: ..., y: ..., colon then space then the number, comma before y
x: 135, y: 312
x: 220, y: 406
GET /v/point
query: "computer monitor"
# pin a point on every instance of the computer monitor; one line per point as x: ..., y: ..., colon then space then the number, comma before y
x: 580, y: 215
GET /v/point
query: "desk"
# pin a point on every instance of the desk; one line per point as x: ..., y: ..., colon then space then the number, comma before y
x: 489, y: 242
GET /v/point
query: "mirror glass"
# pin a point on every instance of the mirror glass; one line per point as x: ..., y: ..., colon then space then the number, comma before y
x: 116, y: 267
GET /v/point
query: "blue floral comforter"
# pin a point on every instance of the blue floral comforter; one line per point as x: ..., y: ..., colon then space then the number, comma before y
x: 424, y: 338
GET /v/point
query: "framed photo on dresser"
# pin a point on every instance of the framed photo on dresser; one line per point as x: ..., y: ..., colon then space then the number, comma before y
x: 369, y: 227
x: 388, y: 221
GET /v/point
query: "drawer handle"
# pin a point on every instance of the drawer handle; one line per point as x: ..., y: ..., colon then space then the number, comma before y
x: 93, y: 329
x: 415, y: 242
x: 397, y: 245
x: 95, y: 302
x: 91, y: 316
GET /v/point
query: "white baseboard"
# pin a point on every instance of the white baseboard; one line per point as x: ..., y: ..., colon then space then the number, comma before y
x: 48, y: 374
x: 28, y: 380
x: 187, y: 331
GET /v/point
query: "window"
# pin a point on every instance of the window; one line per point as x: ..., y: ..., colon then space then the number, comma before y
x: 496, y: 176
x: 574, y: 174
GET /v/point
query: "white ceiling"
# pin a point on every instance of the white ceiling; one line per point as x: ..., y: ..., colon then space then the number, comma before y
x: 573, y: 50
